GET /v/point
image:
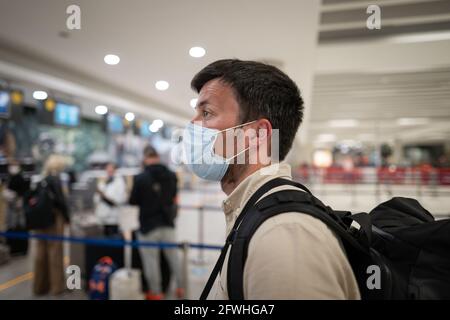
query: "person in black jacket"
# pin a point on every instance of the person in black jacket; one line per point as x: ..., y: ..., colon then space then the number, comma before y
x: 17, y: 181
x: 49, y: 268
x: 154, y: 191
x: 18, y: 186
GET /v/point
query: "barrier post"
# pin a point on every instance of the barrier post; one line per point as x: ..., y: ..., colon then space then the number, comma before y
x: 185, y: 248
x: 201, y: 235
x: 200, y: 259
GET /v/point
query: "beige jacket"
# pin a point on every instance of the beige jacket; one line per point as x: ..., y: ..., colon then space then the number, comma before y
x: 290, y: 256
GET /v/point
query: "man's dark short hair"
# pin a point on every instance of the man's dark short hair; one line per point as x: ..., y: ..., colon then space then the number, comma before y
x: 262, y: 91
x: 150, y: 152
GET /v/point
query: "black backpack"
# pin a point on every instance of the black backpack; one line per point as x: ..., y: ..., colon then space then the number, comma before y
x: 398, y: 251
x: 165, y: 187
x: 38, y: 207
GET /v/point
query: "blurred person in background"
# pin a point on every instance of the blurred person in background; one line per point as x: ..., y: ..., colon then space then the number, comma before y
x: 155, y: 191
x: 17, y: 181
x: 111, y: 194
x: 17, y: 186
x: 7, y: 150
x: 49, y: 268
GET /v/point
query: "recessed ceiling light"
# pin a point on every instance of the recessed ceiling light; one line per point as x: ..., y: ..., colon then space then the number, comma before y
x: 162, y: 85
x: 111, y: 59
x: 129, y: 116
x: 153, y: 128
x: 158, y: 123
x: 194, y: 102
x: 197, y: 52
x: 40, y: 95
x: 101, y: 110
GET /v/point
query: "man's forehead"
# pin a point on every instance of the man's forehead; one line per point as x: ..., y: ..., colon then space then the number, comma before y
x: 215, y: 88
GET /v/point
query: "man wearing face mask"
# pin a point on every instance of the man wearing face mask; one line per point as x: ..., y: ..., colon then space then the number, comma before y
x: 291, y: 255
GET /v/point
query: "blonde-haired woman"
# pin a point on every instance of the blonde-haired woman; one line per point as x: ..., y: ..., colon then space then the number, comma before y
x: 49, y: 269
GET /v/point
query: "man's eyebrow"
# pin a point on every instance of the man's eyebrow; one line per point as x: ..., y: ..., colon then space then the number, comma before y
x: 202, y: 103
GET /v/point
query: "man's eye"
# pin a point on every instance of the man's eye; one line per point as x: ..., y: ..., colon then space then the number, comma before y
x: 205, y: 113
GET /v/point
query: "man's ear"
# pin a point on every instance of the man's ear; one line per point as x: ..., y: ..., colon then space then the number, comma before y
x: 263, y: 131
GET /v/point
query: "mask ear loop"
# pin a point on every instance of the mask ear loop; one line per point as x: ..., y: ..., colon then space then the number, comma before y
x: 239, y: 125
x: 237, y: 154
x: 248, y: 148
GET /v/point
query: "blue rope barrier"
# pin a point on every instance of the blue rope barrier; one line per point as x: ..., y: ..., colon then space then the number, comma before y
x: 106, y: 242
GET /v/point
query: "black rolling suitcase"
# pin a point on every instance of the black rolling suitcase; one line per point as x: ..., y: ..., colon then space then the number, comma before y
x: 16, y: 223
x: 17, y: 247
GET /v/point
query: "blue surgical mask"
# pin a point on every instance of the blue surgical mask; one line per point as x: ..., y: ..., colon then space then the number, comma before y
x: 198, y: 145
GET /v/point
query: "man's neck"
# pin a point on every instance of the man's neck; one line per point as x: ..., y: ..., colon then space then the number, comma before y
x: 236, y: 175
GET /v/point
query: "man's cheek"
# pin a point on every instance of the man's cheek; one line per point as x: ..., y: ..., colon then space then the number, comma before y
x: 225, y: 145
x: 220, y: 146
